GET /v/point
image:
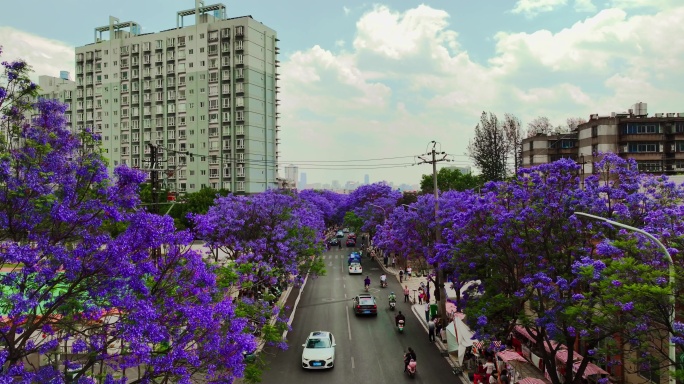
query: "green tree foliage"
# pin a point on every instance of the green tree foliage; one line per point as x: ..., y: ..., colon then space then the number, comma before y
x: 352, y: 221
x: 490, y: 148
x: 450, y: 180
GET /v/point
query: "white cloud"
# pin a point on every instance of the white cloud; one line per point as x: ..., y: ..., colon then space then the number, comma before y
x: 346, y: 10
x: 584, y: 6
x: 45, y: 56
x: 532, y: 8
x: 406, y: 80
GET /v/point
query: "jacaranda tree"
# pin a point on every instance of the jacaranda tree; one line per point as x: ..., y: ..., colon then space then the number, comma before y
x: 267, y: 240
x: 372, y: 203
x: 409, y: 231
x: 78, y: 304
x: 569, y: 282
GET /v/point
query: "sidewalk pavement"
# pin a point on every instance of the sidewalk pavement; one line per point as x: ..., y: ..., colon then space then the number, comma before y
x: 419, y: 310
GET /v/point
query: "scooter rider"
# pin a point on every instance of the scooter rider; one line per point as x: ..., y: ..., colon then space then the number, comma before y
x: 383, y: 280
x: 398, y: 317
x: 392, y: 298
x: 408, y: 356
x: 367, y: 282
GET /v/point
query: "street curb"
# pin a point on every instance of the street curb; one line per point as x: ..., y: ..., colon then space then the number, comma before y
x: 440, y: 345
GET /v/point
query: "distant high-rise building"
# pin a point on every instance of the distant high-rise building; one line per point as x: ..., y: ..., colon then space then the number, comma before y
x: 336, y: 184
x: 302, y: 180
x: 366, y: 179
x: 205, y: 95
x: 292, y: 174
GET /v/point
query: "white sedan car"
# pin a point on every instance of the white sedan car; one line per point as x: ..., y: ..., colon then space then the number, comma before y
x: 355, y: 268
x: 319, y: 351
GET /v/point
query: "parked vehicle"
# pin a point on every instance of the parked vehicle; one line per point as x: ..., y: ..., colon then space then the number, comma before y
x: 351, y: 243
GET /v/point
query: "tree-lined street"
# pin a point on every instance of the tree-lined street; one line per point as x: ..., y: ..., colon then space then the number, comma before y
x: 369, y: 349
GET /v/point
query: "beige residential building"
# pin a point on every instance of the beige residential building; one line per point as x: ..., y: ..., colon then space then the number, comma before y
x: 655, y: 142
x: 205, y: 95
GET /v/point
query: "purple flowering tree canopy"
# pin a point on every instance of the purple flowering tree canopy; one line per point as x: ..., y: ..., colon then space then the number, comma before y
x: 76, y: 297
x: 372, y: 203
x: 567, y: 280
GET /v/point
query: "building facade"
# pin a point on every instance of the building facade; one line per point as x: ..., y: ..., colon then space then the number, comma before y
x: 204, y: 95
x: 656, y: 142
x: 61, y: 89
x: 542, y: 148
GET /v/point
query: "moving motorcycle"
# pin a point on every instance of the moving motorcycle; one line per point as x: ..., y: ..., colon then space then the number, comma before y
x: 411, y: 368
x: 392, y: 305
x: 383, y: 283
x: 400, y: 326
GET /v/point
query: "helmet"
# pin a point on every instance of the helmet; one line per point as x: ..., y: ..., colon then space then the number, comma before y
x: 391, y: 293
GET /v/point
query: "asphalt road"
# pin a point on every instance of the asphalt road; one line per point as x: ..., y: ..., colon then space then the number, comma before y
x: 369, y: 349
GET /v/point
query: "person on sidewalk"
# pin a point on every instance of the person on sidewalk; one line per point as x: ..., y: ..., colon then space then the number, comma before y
x: 401, y: 276
x: 489, y: 369
x: 438, y: 327
x: 427, y: 312
x: 394, y: 262
x: 420, y: 296
x: 408, y: 273
x: 431, y: 330
x: 406, y: 293
x: 385, y: 259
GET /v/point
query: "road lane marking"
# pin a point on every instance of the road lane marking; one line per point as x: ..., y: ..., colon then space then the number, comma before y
x: 352, y: 362
x: 348, y: 324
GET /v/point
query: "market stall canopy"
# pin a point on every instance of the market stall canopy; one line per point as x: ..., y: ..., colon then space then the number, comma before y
x: 509, y: 355
x: 590, y: 370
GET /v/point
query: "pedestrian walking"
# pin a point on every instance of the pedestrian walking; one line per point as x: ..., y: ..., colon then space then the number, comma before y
x: 431, y: 330
x: 489, y: 370
x: 408, y: 273
x: 438, y: 327
x: 420, y: 296
x: 406, y: 293
x: 385, y: 260
x: 401, y: 276
x: 427, y: 311
x: 394, y: 262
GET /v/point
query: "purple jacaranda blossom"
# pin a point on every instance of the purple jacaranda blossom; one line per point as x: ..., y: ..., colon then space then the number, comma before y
x: 87, y: 257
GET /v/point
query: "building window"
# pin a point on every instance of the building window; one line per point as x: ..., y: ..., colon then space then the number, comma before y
x: 594, y: 131
x: 649, y: 166
x: 642, y: 147
x: 641, y: 128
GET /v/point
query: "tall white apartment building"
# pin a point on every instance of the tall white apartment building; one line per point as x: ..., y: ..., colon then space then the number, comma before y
x: 205, y: 95
x: 60, y: 88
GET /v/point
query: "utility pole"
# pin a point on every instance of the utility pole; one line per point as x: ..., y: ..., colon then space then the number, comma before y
x: 440, y: 290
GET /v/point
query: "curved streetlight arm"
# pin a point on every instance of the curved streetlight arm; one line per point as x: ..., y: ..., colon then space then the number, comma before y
x: 672, y: 352
x: 383, y: 209
x: 409, y: 207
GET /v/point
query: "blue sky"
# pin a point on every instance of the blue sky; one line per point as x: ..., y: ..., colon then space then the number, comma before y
x: 381, y: 80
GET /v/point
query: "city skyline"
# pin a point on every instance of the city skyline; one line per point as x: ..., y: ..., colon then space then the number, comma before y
x: 359, y: 96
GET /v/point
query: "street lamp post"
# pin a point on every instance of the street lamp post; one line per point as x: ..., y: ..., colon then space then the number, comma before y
x: 671, y: 346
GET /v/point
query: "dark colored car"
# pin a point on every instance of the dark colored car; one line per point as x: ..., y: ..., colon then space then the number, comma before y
x: 334, y: 241
x: 351, y: 235
x: 364, y: 304
x: 351, y: 243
